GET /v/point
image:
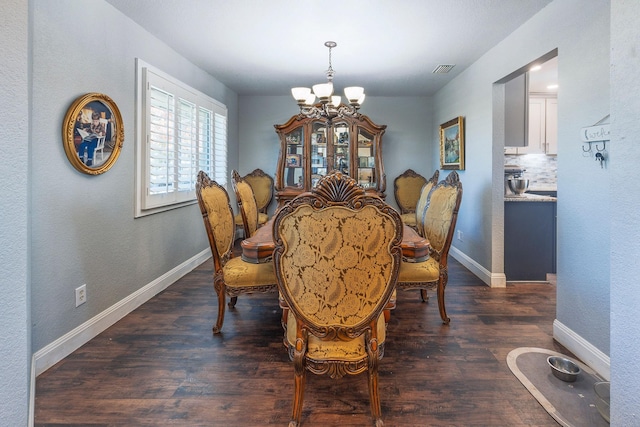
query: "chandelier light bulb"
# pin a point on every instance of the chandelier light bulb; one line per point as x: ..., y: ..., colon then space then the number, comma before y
x: 323, y: 91
x: 300, y: 94
x: 336, y: 100
x: 353, y: 93
x: 310, y: 99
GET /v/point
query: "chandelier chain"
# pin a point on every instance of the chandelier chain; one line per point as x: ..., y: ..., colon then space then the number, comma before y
x: 330, y: 71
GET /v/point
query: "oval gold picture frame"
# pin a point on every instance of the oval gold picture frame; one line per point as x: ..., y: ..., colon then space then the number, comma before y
x: 92, y: 133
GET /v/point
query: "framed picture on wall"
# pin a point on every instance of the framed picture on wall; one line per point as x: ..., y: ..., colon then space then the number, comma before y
x: 452, y: 144
x: 92, y: 133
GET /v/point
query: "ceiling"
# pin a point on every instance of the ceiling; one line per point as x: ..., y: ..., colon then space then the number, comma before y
x: 540, y: 80
x: 389, y: 47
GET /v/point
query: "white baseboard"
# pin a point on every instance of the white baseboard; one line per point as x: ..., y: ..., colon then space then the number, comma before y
x: 587, y: 353
x: 32, y: 393
x: 493, y: 280
x: 54, y: 352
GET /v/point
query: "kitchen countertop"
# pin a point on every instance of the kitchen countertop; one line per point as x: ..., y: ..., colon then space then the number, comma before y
x: 542, y: 187
x: 526, y: 197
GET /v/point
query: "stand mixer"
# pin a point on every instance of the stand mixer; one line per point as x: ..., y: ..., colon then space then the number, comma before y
x: 512, y: 172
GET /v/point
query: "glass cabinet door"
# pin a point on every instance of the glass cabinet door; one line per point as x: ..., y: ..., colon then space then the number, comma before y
x: 318, y: 152
x: 294, y: 160
x: 312, y: 147
x: 366, y: 159
x: 341, y: 140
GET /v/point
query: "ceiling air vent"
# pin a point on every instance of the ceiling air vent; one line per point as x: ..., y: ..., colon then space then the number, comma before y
x: 442, y: 69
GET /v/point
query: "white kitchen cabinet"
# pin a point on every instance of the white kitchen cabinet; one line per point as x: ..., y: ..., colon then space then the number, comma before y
x: 543, y: 126
x: 551, y: 126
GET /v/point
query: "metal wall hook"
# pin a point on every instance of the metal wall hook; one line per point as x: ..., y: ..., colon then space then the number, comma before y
x: 604, y: 146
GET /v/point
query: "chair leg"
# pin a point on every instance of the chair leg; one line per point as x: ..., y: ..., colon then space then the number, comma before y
x: 232, y: 302
x: 442, y: 283
x: 299, y: 382
x: 374, y: 396
x: 423, y: 294
x: 219, y: 287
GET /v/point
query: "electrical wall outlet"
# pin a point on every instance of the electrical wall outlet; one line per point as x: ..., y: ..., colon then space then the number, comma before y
x: 81, y: 295
x: 460, y: 235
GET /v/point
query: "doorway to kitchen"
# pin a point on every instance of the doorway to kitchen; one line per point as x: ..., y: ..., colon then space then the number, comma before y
x: 525, y: 141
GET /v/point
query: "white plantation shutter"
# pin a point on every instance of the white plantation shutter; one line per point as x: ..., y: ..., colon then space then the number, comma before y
x: 220, y: 149
x: 185, y: 132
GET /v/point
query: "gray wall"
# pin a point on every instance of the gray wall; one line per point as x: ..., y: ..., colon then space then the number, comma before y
x: 625, y: 245
x: 582, y: 38
x: 15, y: 336
x: 128, y: 256
x: 83, y: 226
x: 405, y: 144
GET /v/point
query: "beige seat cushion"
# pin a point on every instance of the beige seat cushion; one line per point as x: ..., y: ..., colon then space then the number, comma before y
x: 428, y: 271
x: 262, y: 218
x: 239, y: 273
x: 409, y: 219
x: 318, y: 349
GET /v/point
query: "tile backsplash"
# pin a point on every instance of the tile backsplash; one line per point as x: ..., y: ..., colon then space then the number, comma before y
x: 540, y: 169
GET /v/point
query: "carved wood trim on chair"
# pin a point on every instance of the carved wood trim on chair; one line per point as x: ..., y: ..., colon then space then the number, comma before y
x: 421, y: 206
x: 335, y: 323
x: 246, y: 203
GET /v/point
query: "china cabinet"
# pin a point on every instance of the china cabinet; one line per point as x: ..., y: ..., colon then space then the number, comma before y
x: 312, y: 147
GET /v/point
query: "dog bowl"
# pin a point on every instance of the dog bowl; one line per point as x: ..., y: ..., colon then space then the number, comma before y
x: 563, y: 368
x: 602, y: 390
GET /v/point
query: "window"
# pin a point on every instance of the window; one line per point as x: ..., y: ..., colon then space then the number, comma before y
x: 181, y: 131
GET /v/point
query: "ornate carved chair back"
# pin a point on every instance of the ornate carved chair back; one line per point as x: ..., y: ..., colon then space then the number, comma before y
x: 421, y: 206
x: 406, y: 190
x: 337, y: 258
x: 262, y: 185
x: 217, y: 214
x: 246, y: 203
x: 441, y: 215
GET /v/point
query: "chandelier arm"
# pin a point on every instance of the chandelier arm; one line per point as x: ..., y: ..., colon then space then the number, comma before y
x: 348, y: 111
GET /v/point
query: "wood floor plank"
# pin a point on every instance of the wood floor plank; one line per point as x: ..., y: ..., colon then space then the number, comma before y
x: 162, y: 366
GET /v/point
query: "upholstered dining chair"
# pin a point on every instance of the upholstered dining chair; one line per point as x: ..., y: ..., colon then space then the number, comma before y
x: 406, y: 190
x: 231, y: 275
x: 421, y: 206
x: 262, y: 185
x: 438, y: 222
x: 247, y: 206
x: 337, y: 255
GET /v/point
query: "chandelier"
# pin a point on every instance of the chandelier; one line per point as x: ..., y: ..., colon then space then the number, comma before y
x: 330, y: 105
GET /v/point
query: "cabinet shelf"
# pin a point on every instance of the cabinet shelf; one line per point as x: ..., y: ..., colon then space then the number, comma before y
x: 337, y: 150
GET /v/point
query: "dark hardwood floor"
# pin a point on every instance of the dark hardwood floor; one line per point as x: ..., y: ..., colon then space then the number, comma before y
x: 162, y: 366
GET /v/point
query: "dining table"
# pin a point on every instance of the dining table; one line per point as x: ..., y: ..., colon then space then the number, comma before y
x: 259, y: 247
